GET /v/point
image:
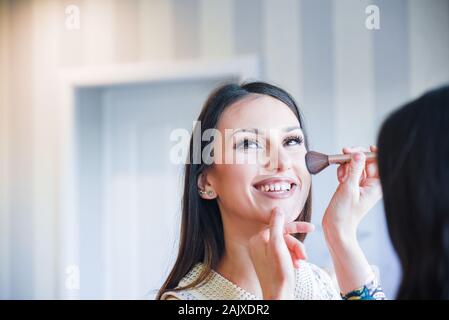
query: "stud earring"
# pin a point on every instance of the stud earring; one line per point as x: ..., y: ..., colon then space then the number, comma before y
x: 210, y: 193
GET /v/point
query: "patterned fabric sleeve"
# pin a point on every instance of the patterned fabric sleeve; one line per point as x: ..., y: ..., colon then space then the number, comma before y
x: 370, y: 291
x: 324, y: 285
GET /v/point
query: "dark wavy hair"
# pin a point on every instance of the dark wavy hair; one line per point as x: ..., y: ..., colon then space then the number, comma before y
x: 414, y: 170
x: 202, y: 237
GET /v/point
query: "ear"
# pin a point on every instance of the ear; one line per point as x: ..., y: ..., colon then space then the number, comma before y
x: 205, y: 189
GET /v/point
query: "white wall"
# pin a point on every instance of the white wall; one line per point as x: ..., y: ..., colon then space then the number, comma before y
x: 345, y: 78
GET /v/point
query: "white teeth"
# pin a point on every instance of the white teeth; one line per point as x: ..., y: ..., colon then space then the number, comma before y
x: 275, y: 187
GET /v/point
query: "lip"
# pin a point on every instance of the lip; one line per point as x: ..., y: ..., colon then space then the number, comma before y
x: 273, y: 180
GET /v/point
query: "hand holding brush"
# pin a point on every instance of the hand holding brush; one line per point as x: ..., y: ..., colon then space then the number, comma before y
x: 316, y: 162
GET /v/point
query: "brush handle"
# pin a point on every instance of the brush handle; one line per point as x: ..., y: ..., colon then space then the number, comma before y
x: 343, y: 158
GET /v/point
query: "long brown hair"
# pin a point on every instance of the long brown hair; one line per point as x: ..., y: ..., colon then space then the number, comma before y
x: 202, y: 236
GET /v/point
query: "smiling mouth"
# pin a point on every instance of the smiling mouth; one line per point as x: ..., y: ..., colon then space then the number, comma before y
x: 276, y: 187
x: 276, y: 190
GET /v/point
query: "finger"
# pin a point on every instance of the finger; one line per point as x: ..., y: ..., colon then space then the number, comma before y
x: 276, y: 224
x: 372, y: 168
x: 347, y: 165
x: 347, y: 150
x: 341, y: 173
x: 295, y: 246
x: 295, y: 260
x: 367, y: 163
x: 295, y: 251
x: 298, y: 227
x: 363, y: 175
x: 356, y: 168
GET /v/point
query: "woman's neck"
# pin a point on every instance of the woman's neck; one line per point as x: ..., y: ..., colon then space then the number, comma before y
x: 236, y: 264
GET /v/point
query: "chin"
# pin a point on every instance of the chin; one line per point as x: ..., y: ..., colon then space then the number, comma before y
x: 291, y: 214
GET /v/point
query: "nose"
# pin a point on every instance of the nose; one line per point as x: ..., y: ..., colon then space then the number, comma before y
x: 278, y: 160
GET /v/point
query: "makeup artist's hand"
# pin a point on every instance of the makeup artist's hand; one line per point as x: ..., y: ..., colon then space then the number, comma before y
x: 359, y: 190
x: 275, y: 253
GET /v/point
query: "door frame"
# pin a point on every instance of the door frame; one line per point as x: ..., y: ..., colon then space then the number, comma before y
x: 242, y: 68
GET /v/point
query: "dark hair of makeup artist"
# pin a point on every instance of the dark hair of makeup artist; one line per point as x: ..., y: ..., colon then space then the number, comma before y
x: 202, y: 237
x: 414, y: 172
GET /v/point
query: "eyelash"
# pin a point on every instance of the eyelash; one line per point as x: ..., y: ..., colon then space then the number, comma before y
x: 298, y: 139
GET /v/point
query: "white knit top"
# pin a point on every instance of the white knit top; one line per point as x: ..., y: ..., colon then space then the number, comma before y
x: 312, y: 283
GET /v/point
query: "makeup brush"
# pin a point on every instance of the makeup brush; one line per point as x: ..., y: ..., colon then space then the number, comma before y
x: 316, y: 162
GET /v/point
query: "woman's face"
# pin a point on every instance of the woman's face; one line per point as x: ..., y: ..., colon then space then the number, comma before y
x: 269, y: 160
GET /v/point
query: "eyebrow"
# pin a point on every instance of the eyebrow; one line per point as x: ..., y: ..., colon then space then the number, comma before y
x: 256, y: 131
x: 252, y: 130
x: 288, y: 129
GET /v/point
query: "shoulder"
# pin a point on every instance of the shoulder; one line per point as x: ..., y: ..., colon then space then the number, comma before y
x: 184, y: 294
x: 178, y: 295
x: 215, y: 287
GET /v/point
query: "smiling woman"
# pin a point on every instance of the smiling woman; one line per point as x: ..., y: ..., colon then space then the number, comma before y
x: 244, y: 221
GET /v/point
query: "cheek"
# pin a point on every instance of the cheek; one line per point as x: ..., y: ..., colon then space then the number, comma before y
x: 299, y: 164
x: 306, y: 183
x: 233, y: 179
x: 303, y: 174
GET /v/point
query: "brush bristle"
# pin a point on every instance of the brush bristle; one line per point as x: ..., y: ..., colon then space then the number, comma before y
x: 316, y: 161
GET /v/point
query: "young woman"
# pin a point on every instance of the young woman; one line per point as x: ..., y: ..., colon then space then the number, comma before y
x: 243, y: 221
x: 414, y: 171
